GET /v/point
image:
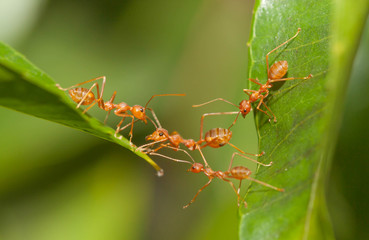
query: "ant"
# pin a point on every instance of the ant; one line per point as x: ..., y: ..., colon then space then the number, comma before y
x: 214, y: 138
x: 239, y: 173
x: 161, y: 135
x: 84, y: 96
x: 275, y: 74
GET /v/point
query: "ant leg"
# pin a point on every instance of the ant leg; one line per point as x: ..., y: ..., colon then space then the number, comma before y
x: 131, y: 132
x: 88, y: 108
x: 145, y: 146
x: 160, y: 147
x: 129, y: 124
x: 111, y: 100
x: 99, y: 95
x: 213, y: 114
x: 235, y: 120
x: 194, y: 198
x: 202, y: 155
x: 255, y: 81
x: 217, y: 99
x: 275, y: 119
x: 256, y: 155
x: 258, y: 108
x: 79, y: 84
x: 291, y: 78
x: 235, y: 190
x: 155, y: 117
x: 86, y: 95
x: 238, y: 190
x: 170, y: 158
x: 267, y: 63
x: 153, y: 123
x: 106, y: 117
x: 236, y: 148
x: 101, y: 101
x: 253, y: 160
x: 120, y: 123
x: 248, y: 91
x: 178, y: 149
x: 265, y: 184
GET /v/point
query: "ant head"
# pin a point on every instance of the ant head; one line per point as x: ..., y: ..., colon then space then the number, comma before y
x: 245, y: 107
x: 196, y: 168
x: 139, y: 112
x: 160, y: 134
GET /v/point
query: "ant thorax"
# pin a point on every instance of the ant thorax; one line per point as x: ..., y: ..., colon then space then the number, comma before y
x: 121, y: 108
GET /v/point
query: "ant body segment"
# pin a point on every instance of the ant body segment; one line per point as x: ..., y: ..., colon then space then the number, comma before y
x: 238, y: 173
x: 275, y: 74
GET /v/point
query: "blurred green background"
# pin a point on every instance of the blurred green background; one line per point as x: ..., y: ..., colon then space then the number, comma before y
x: 59, y: 183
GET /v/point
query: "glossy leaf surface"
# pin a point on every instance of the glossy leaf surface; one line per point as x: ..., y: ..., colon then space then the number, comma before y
x: 295, y: 143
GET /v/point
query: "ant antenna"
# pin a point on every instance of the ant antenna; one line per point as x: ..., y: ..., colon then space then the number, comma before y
x: 142, y: 147
x: 155, y: 117
x: 178, y: 149
x: 152, y: 121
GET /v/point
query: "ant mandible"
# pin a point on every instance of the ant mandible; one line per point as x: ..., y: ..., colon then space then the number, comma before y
x: 84, y: 96
x: 275, y: 74
x: 239, y: 173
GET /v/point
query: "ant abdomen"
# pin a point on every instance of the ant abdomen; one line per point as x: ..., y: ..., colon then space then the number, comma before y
x: 240, y: 172
x: 218, y: 137
x: 278, y: 70
x: 77, y: 94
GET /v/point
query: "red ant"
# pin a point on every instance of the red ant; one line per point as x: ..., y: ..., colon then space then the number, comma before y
x: 239, y: 173
x: 161, y: 135
x: 275, y: 74
x: 214, y: 138
x: 84, y: 96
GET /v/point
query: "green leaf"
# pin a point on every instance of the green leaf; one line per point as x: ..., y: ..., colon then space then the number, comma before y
x: 300, y: 142
x: 25, y: 88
